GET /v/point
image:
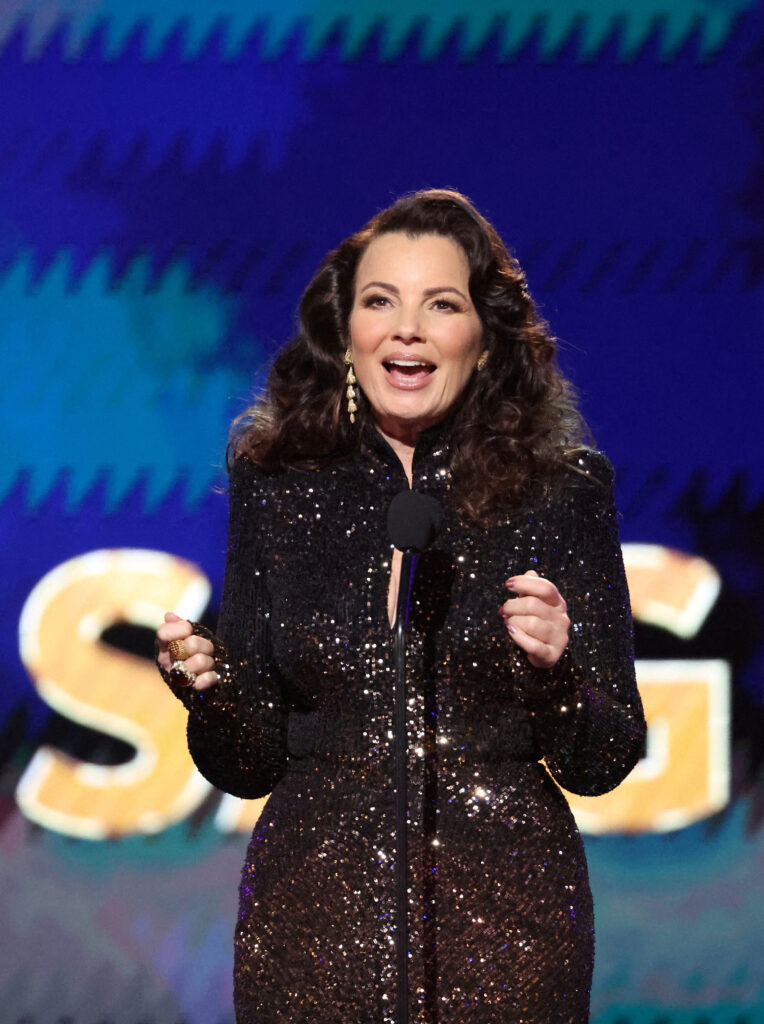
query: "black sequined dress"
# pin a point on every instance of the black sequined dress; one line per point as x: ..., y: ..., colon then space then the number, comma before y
x: 500, y: 910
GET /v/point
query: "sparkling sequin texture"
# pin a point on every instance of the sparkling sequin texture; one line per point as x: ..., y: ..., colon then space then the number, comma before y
x: 500, y: 911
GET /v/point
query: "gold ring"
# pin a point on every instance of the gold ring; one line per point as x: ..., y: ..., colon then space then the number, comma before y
x: 177, y: 650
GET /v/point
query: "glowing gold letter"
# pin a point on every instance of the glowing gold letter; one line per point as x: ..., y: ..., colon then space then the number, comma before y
x: 106, y: 689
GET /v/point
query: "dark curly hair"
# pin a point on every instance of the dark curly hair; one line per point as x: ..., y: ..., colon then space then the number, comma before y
x: 516, y: 420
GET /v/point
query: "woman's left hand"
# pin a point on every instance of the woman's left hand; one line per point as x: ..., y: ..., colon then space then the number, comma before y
x: 537, y: 619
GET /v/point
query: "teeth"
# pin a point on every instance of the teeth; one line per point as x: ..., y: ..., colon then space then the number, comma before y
x: 406, y: 362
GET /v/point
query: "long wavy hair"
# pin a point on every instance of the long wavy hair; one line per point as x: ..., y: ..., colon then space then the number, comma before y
x: 516, y: 420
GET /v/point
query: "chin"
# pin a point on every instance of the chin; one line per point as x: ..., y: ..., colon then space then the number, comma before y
x: 409, y: 416
x: 402, y: 423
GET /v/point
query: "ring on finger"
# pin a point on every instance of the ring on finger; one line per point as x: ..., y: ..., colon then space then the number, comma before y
x: 177, y: 650
x: 181, y: 675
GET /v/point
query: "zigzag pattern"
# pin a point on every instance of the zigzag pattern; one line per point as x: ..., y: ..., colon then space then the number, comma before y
x: 132, y: 384
x: 144, y: 366
x: 129, y: 169
x: 624, y: 266
x: 629, y: 265
x: 53, y: 116
x: 194, y: 27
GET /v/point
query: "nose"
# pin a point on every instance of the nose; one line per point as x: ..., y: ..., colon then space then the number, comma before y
x: 407, y: 326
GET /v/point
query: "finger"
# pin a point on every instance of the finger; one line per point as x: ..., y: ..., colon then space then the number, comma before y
x: 172, y: 617
x: 540, y: 629
x: 540, y: 654
x: 533, y: 606
x: 205, y: 681
x: 530, y: 614
x: 531, y: 583
x: 532, y: 618
x: 199, y: 664
x: 194, y: 645
x: 534, y: 585
x: 527, y: 606
x: 179, y: 629
x: 530, y: 644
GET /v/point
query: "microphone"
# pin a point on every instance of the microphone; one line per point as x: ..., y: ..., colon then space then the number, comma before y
x: 413, y: 520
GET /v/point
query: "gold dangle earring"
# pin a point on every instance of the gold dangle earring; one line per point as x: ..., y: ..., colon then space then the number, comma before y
x: 482, y: 359
x: 350, y: 381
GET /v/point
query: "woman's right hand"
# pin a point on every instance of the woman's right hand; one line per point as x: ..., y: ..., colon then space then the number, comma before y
x: 200, y: 651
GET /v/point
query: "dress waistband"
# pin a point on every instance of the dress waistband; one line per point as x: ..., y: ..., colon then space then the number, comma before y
x: 320, y: 736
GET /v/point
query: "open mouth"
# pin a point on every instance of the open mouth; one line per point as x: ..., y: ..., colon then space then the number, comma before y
x: 411, y: 369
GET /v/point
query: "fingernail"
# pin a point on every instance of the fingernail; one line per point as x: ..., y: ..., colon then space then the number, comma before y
x: 511, y: 628
x: 510, y: 582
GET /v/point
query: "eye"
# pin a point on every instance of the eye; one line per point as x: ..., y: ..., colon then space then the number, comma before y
x: 445, y: 305
x: 375, y: 300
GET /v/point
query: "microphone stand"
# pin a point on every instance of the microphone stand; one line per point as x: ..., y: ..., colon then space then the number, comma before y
x: 408, y: 567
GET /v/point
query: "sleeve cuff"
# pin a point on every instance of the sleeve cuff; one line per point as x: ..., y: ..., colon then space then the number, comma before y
x: 543, y: 688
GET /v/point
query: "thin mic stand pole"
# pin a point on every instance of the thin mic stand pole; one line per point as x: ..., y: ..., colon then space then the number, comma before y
x: 408, y: 566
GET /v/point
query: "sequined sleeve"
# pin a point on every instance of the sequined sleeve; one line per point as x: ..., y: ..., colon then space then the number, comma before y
x: 587, y: 710
x: 237, y: 728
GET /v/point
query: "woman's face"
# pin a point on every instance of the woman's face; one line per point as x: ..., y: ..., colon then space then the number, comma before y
x: 414, y: 334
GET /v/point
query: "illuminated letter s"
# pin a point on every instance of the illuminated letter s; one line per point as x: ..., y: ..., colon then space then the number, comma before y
x: 110, y: 690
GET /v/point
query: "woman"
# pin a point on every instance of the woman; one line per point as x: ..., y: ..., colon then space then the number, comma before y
x: 420, y: 361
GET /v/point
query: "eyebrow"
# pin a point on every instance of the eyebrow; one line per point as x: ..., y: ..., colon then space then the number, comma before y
x: 427, y: 292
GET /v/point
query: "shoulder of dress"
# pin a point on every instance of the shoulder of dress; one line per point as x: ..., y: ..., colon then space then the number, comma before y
x: 241, y: 466
x: 248, y: 479
x: 586, y: 476
x: 593, y: 465
x: 244, y: 477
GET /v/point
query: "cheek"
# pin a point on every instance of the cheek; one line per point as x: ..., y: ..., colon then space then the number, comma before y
x: 458, y: 381
x: 363, y: 328
x: 463, y: 359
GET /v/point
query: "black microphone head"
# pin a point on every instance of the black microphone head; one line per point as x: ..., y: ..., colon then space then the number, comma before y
x: 413, y: 520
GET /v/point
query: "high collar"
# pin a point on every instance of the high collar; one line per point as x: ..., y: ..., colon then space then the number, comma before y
x: 430, y: 452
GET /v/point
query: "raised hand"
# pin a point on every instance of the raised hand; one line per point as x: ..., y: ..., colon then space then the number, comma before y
x: 197, y: 649
x: 536, y: 618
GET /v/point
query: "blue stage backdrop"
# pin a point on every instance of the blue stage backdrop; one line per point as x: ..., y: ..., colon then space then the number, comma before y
x: 170, y: 175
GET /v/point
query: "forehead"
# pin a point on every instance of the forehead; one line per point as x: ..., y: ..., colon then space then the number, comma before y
x: 396, y: 257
